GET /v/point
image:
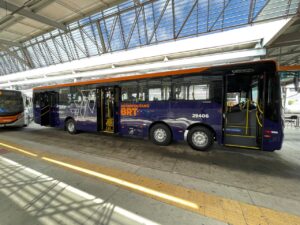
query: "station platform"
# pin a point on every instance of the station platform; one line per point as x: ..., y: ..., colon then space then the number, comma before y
x: 50, y: 177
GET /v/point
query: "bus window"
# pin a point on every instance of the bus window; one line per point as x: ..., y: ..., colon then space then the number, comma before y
x: 254, y: 93
x: 199, y: 92
x: 159, y: 90
x: 236, y: 100
x: 64, y: 94
x: 155, y: 94
x: 129, y: 92
x: 142, y: 91
x: 180, y: 92
x: 166, y: 88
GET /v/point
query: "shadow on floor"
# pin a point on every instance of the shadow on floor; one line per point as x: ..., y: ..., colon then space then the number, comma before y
x: 144, y: 153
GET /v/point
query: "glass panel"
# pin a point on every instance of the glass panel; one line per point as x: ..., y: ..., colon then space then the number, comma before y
x: 166, y: 88
x: 199, y: 92
x: 180, y: 92
x: 155, y: 94
x: 11, y: 102
x: 142, y: 89
x: 64, y: 96
x: 129, y: 92
x: 159, y: 89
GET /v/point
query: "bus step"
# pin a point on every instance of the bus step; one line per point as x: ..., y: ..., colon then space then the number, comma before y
x: 241, y: 141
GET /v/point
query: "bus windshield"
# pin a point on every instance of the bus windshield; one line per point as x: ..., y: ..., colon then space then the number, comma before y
x: 10, y: 103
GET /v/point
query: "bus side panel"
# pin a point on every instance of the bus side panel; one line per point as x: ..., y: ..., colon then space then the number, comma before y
x: 136, y: 118
x: 179, y: 115
x: 186, y: 113
x: 273, y: 136
x: 85, y: 116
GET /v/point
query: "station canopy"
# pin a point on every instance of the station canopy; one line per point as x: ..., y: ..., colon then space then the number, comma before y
x: 41, y: 33
x: 21, y: 20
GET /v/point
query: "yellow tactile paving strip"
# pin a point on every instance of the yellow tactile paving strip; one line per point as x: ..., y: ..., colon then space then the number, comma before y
x: 209, y: 205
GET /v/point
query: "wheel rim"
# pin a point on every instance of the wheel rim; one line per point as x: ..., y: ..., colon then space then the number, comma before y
x: 71, y: 126
x: 160, y: 135
x: 200, y: 139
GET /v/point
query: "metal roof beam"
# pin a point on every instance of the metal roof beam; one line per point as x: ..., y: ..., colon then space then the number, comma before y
x: 286, y: 44
x: 289, y: 37
x: 10, y: 43
x: 29, y: 14
x: 14, y: 55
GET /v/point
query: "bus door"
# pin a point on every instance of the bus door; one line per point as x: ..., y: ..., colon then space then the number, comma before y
x: 49, y: 108
x: 53, y: 113
x: 243, y: 111
x: 108, y: 109
x: 45, y: 109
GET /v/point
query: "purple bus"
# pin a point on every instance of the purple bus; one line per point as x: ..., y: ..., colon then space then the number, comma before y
x: 235, y: 105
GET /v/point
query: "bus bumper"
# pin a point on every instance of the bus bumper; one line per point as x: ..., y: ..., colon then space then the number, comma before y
x: 18, y: 123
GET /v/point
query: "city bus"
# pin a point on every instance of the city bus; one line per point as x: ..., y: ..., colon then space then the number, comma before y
x: 235, y: 105
x: 14, y: 109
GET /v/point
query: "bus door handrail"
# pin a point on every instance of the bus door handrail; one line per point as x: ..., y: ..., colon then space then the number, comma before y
x: 45, y: 112
x: 247, y: 116
x: 45, y: 107
x: 261, y: 113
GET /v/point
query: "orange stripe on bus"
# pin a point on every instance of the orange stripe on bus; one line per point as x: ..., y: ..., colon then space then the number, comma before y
x: 125, y: 78
x: 289, y: 68
x: 8, y: 119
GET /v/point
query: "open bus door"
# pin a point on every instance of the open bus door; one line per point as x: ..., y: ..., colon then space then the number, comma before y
x: 243, y: 110
x: 108, y: 109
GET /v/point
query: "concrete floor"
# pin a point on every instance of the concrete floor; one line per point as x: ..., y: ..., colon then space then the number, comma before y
x: 270, y: 180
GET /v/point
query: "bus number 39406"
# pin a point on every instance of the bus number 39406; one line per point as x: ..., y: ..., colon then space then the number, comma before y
x: 202, y: 116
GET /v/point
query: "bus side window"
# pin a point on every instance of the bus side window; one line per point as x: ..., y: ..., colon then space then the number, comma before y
x: 142, y: 91
x: 155, y: 94
x: 199, y: 92
x: 166, y: 88
x: 129, y: 92
x: 64, y: 96
x: 159, y: 89
x: 180, y: 92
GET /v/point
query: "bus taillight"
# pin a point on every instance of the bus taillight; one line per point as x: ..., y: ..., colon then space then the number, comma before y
x: 267, y: 134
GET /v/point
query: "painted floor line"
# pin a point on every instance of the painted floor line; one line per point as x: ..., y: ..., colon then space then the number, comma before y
x: 209, y: 205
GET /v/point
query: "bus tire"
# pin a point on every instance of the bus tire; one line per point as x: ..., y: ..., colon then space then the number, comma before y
x: 71, y: 126
x: 200, y: 138
x: 160, y: 134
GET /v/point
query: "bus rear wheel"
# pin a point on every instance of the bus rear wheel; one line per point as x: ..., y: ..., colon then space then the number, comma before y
x: 70, y: 126
x: 200, y: 138
x: 160, y: 134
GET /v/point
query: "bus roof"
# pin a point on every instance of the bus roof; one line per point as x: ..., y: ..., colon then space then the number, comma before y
x: 157, y: 74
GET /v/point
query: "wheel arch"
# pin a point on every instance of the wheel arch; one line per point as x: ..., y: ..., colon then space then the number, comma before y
x: 201, y: 125
x: 159, y: 122
x: 68, y: 118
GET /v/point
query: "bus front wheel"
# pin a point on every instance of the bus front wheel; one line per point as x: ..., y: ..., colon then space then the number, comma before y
x: 200, y: 138
x: 70, y: 126
x: 160, y: 134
